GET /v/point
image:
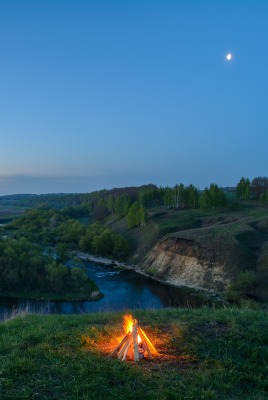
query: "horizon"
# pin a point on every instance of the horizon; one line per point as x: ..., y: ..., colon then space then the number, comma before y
x: 103, y: 94
x: 112, y: 188
x: 38, y: 182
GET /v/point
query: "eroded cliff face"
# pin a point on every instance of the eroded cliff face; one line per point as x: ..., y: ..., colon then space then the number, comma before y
x: 186, y: 262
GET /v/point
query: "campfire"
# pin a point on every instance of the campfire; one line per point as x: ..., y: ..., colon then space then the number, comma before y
x: 135, y: 344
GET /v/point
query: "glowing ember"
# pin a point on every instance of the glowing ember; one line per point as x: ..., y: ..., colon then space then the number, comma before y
x: 135, y: 344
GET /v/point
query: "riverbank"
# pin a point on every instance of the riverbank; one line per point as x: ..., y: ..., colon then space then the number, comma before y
x: 90, y: 295
x: 211, y: 296
x: 100, y: 260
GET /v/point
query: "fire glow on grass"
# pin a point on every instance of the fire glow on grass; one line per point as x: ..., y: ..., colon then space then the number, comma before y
x: 135, y: 344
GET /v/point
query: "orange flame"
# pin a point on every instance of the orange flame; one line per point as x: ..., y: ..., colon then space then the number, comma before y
x: 128, y: 324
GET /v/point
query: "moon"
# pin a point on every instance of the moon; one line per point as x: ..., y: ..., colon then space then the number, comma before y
x: 229, y: 56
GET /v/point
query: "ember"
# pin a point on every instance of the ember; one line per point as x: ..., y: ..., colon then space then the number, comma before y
x: 135, y: 344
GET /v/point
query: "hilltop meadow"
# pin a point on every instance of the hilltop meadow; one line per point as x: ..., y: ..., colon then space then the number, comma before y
x: 217, y: 354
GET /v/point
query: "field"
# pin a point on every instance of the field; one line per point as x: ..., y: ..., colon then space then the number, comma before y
x: 203, y: 354
x: 8, y: 213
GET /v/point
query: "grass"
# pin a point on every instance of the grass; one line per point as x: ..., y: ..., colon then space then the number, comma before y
x: 203, y: 354
x: 174, y: 221
x: 142, y: 239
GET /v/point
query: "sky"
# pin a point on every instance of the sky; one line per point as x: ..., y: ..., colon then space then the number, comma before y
x: 102, y: 94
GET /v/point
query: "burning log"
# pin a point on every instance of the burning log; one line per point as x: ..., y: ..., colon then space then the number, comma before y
x: 135, y: 344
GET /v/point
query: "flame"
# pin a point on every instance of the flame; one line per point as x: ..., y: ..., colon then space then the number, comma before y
x: 128, y: 324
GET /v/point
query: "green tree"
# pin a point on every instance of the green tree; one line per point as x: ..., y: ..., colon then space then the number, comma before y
x: 57, y: 277
x: 101, y: 240
x: 78, y: 277
x: 122, y: 204
x: 132, y: 216
x: 259, y: 185
x: 111, y: 204
x: 137, y: 215
x: 151, y: 196
x: 264, y: 197
x: 212, y: 197
x: 168, y: 197
x: 192, y: 196
x: 243, y: 189
x: 142, y: 215
x: 71, y: 232
x: 61, y: 250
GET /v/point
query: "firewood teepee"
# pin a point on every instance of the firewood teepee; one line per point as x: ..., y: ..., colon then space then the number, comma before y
x: 135, y: 344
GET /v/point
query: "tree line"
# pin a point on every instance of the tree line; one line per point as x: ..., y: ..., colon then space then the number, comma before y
x: 135, y: 202
x: 135, y: 209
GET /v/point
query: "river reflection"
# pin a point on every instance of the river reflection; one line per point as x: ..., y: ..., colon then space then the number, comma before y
x: 122, y: 289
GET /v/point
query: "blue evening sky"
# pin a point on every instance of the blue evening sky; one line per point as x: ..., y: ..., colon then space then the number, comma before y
x: 101, y: 94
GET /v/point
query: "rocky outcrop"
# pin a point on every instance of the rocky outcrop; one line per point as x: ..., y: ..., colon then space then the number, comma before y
x: 182, y: 261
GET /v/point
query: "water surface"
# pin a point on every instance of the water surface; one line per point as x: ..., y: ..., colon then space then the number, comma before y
x: 122, y: 289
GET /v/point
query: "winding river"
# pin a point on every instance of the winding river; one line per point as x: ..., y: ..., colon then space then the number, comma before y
x: 122, y: 289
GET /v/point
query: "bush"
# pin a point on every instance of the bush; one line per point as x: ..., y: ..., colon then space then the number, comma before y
x: 246, y: 281
x: 101, y: 240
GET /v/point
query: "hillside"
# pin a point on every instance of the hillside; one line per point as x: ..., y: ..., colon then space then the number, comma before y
x: 218, y: 250
x: 203, y: 354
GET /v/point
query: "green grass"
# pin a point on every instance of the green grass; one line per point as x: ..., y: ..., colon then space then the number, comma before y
x: 177, y: 220
x: 203, y: 354
x: 142, y: 239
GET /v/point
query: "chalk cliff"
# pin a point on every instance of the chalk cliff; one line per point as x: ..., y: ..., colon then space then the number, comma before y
x: 182, y: 261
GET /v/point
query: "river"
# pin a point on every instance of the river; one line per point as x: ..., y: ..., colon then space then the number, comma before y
x: 122, y: 289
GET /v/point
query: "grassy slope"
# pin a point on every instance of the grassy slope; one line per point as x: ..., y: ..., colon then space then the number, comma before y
x: 142, y: 239
x: 204, y: 354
